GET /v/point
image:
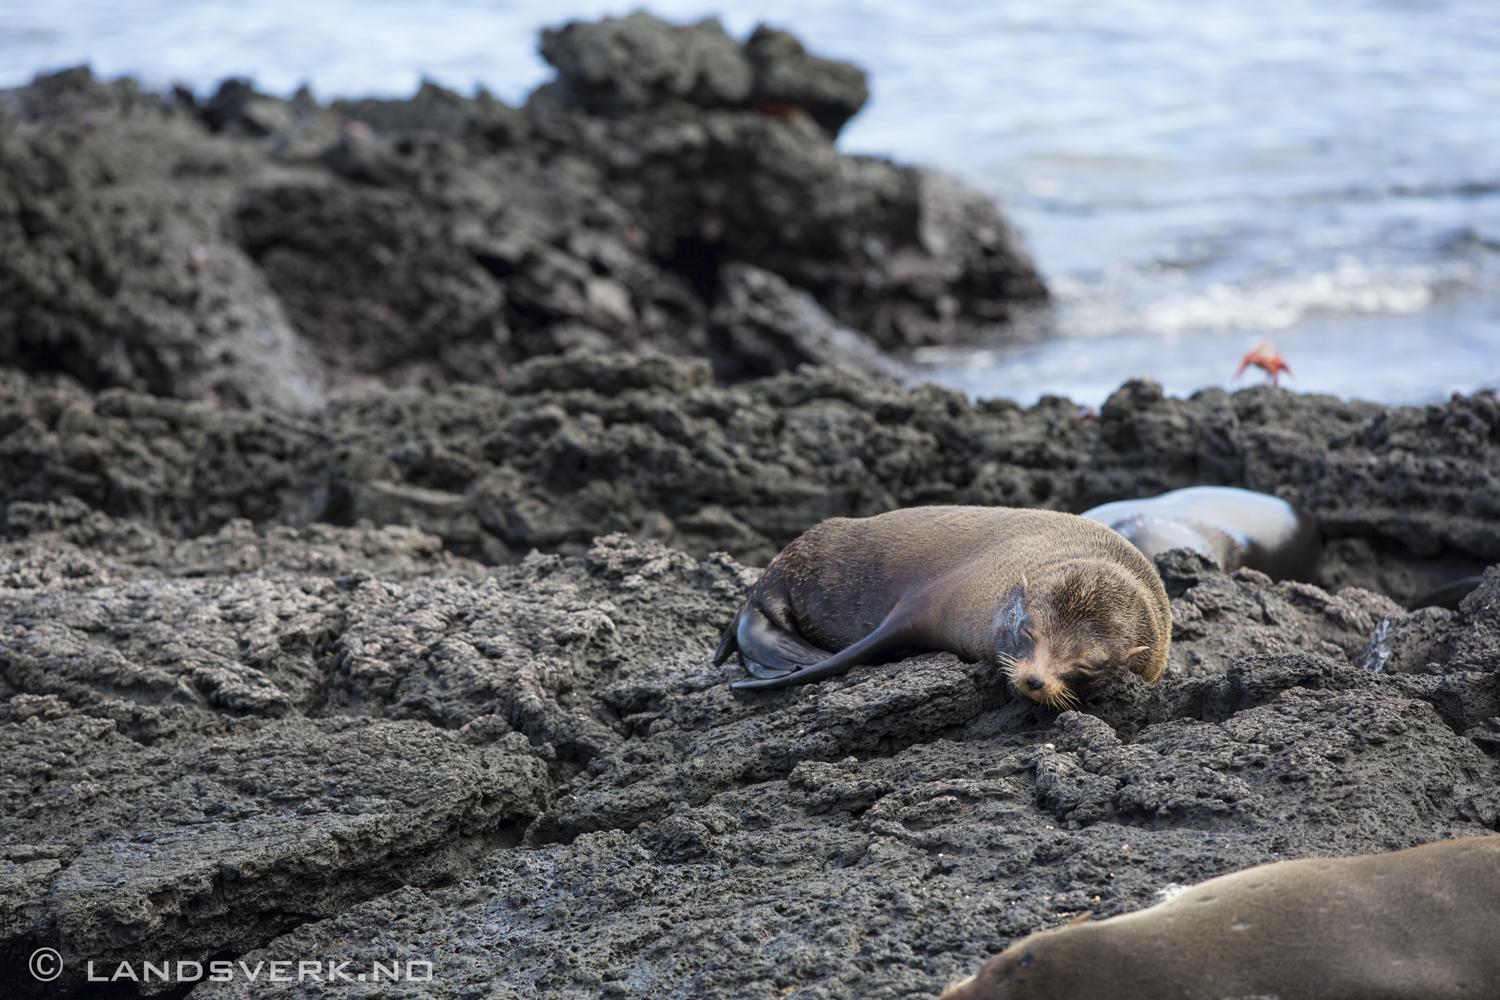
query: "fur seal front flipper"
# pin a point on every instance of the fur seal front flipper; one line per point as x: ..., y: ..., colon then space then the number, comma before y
x: 1057, y: 601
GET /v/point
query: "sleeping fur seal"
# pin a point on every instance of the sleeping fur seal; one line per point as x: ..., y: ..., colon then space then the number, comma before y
x: 1057, y: 600
x: 1420, y: 924
x: 1235, y: 527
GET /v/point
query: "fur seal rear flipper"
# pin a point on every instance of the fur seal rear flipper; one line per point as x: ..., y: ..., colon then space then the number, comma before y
x: 1056, y: 600
x: 778, y: 658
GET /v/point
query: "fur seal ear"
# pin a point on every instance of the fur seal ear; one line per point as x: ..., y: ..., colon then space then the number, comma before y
x: 1144, y: 669
x: 1010, y: 620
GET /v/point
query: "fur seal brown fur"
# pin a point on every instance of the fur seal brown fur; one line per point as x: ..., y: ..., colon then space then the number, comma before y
x: 1057, y: 600
x: 1419, y: 924
x: 1236, y: 527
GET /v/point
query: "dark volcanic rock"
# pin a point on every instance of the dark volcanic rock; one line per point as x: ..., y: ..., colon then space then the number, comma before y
x: 260, y: 251
x: 742, y: 849
x: 761, y: 326
x: 633, y: 63
x: 1262, y: 617
x: 117, y: 265
x: 347, y: 745
x: 181, y: 467
x: 1448, y: 658
x: 262, y: 701
x: 785, y: 74
x: 630, y: 64
x: 910, y: 257
x: 585, y: 443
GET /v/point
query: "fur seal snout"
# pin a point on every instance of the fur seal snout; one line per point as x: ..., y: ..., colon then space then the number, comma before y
x: 1236, y: 527
x: 1057, y: 601
x: 1418, y: 924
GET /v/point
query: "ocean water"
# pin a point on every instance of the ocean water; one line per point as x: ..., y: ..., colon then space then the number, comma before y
x: 1193, y: 177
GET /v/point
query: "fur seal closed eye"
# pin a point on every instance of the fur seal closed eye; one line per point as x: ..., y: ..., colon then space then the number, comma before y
x: 1236, y: 527
x: 1419, y: 924
x: 1057, y: 600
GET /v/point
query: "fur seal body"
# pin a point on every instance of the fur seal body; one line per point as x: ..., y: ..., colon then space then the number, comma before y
x: 1236, y: 527
x: 1419, y: 924
x: 1057, y: 600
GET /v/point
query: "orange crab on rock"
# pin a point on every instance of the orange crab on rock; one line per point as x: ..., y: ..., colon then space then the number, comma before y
x: 1267, y: 359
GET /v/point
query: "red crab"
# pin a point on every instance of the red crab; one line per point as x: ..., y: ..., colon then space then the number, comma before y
x: 1267, y: 359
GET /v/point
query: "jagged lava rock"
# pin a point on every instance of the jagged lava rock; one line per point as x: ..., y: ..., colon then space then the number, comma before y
x: 348, y: 743
x: 253, y: 250
x: 117, y: 263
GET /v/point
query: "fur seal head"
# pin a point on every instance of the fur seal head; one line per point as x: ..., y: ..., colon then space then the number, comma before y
x: 1073, y: 629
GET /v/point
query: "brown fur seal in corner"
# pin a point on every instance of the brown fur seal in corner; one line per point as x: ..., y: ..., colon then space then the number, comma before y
x: 1420, y: 924
x: 1236, y: 527
x: 1056, y: 599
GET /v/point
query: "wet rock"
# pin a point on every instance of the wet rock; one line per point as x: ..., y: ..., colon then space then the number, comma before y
x: 762, y: 326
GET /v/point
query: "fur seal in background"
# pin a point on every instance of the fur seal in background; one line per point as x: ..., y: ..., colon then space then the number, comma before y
x: 1236, y: 527
x: 1420, y: 924
x: 1057, y: 600
x: 1449, y: 595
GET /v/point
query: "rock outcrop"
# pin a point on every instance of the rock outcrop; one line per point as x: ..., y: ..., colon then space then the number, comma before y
x: 255, y: 251
x: 584, y: 444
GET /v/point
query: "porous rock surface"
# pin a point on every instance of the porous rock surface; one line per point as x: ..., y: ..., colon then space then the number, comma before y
x: 236, y: 731
x: 345, y: 745
x: 257, y: 251
x: 582, y: 444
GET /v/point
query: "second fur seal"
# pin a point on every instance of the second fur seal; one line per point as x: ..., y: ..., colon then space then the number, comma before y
x: 1419, y: 924
x: 1235, y: 527
x: 1056, y: 600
